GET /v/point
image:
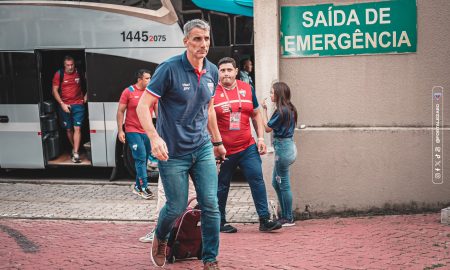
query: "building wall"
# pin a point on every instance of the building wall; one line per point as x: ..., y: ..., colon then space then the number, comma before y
x: 367, y: 141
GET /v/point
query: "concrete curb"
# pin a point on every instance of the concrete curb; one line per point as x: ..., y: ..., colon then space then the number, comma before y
x: 445, y: 216
x: 87, y: 182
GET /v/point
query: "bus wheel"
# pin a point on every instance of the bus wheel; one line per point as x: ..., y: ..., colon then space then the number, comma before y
x: 128, y: 161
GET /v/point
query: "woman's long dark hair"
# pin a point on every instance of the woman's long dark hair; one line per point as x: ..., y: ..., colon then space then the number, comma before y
x: 285, y: 108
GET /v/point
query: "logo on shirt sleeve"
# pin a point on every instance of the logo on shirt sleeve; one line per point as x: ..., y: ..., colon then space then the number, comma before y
x: 211, y: 87
x: 77, y: 80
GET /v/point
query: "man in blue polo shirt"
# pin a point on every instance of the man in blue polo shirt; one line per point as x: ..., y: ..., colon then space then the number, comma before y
x: 184, y: 88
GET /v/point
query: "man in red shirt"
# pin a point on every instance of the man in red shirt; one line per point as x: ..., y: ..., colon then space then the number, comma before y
x: 134, y: 133
x: 69, y: 95
x: 235, y: 104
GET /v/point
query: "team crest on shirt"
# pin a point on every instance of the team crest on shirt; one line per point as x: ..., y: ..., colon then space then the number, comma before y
x: 211, y: 87
x: 242, y: 92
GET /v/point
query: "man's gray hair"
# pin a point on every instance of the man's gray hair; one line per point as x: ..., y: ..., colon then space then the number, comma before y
x: 195, y: 23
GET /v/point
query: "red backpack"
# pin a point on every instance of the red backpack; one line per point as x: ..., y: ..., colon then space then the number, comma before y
x: 185, y: 239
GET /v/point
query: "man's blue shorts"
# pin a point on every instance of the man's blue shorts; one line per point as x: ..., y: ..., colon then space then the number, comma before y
x: 74, y: 118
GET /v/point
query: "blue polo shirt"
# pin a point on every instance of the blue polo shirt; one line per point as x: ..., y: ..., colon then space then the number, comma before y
x: 281, y: 129
x: 184, y: 95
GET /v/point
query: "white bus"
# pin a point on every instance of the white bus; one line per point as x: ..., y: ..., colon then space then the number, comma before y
x: 109, y: 40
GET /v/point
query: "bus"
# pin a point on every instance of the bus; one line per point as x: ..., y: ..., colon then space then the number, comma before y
x: 109, y: 40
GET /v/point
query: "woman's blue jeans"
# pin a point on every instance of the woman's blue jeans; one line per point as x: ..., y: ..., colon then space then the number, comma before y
x: 285, y: 154
x: 140, y: 149
x: 250, y: 163
x: 201, y: 166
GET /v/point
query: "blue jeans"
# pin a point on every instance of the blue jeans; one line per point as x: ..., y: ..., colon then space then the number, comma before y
x: 141, y: 150
x: 174, y: 173
x: 250, y: 163
x: 285, y: 154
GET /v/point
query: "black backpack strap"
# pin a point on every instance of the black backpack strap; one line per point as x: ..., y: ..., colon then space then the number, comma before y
x: 82, y: 80
x: 61, y: 78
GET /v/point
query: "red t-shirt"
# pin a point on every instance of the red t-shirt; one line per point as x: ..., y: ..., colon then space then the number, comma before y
x: 130, y: 97
x: 234, y: 141
x: 70, y: 88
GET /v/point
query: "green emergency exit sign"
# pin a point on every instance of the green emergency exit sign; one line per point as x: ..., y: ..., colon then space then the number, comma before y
x: 349, y: 29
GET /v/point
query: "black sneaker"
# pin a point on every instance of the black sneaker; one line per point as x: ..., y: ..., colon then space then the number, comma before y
x: 267, y: 225
x: 136, y: 190
x: 286, y: 222
x: 146, y: 193
x: 227, y: 228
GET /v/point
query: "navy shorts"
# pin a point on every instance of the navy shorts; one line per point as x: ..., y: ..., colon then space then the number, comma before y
x: 74, y: 118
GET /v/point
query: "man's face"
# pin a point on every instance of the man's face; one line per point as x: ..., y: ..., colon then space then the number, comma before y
x: 227, y: 74
x: 248, y: 66
x: 69, y: 66
x: 144, y: 81
x: 197, y: 43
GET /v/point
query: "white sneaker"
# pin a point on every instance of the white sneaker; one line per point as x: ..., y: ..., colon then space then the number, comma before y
x: 148, y: 238
x: 76, y: 157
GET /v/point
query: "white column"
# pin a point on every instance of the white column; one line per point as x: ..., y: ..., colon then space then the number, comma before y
x: 267, y: 62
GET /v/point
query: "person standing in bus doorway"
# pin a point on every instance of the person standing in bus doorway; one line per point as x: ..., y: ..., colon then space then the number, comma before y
x: 67, y: 90
x: 235, y: 105
x: 246, y: 69
x: 184, y: 88
x: 134, y: 133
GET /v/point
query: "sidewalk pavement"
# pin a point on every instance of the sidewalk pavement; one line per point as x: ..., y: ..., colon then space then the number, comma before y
x: 385, y: 242
x: 96, y: 225
x: 99, y: 201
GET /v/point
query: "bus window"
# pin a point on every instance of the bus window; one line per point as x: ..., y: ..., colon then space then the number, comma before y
x: 18, y: 78
x: 190, y: 15
x: 188, y: 5
x: 148, y: 4
x: 220, y: 29
x: 243, y: 30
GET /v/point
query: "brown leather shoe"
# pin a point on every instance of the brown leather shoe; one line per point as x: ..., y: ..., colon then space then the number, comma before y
x: 159, y: 252
x: 211, y: 266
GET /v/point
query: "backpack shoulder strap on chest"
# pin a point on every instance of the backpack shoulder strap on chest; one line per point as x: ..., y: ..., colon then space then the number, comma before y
x: 61, y: 78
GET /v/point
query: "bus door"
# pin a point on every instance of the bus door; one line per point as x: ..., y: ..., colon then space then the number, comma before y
x: 56, y: 147
x: 20, y: 131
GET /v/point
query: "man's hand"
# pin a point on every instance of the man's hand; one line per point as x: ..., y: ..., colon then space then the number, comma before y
x: 262, y: 148
x: 85, y: 98
x: 121, y: 136
x: 159, y: 148
x: 220, y: 152
x: 65, y: 107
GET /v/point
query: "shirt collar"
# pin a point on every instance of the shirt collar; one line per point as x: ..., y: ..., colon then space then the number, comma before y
x: 188, y: 67
x: 137, y: 88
